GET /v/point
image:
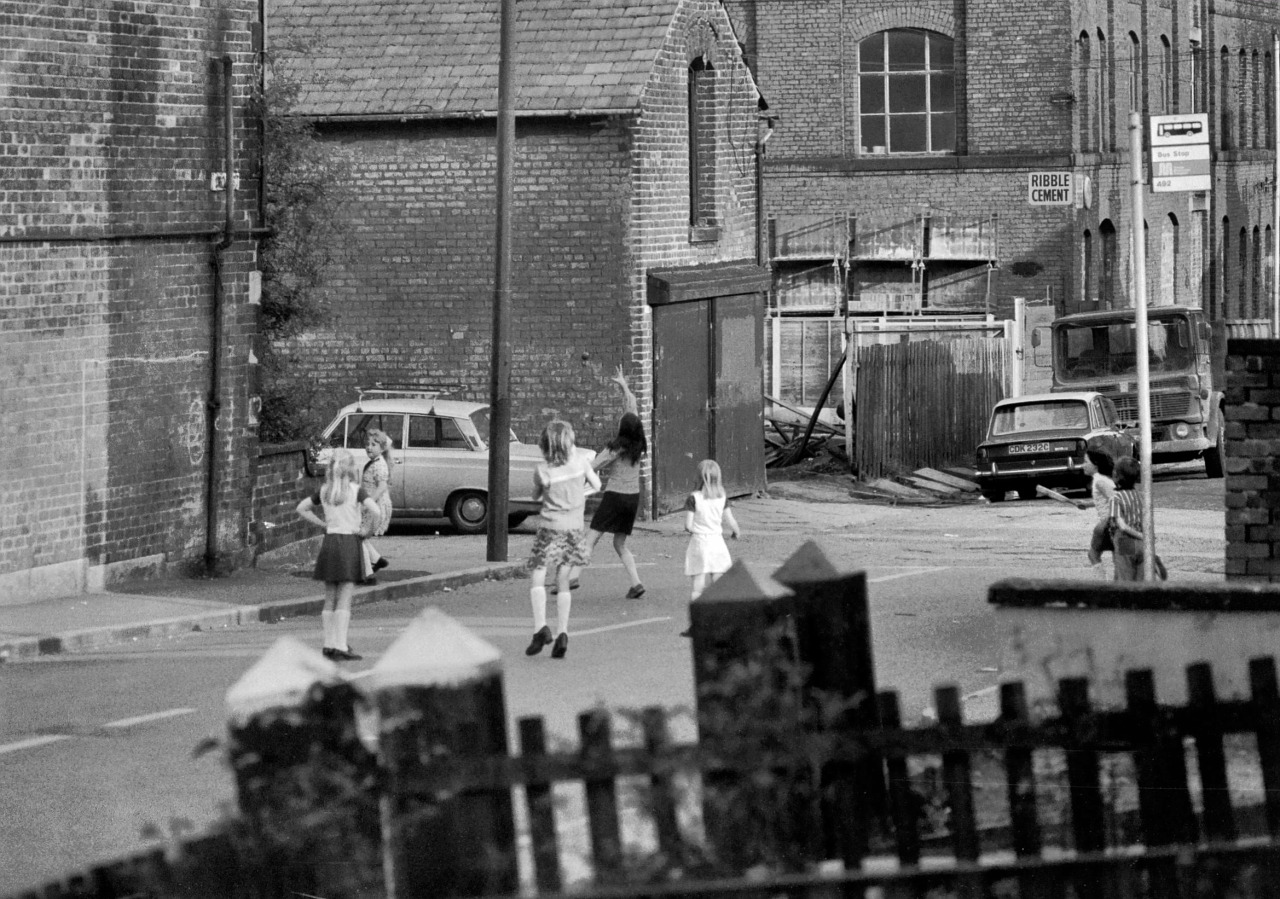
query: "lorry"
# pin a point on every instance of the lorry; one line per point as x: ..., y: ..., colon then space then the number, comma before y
x: 1186, y: 353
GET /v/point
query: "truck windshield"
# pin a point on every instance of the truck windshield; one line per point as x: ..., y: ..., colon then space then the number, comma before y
x: 1089, y: 351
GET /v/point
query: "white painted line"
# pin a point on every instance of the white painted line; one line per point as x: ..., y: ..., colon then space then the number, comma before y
x: 902, y: 574
x: 618, y: 627
x: 144, y: 719
x: 32, y: 743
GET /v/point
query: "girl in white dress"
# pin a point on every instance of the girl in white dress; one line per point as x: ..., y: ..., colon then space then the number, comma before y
x: 705, y: 517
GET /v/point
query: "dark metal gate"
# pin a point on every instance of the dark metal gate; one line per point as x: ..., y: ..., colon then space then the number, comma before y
x: 707, y: 378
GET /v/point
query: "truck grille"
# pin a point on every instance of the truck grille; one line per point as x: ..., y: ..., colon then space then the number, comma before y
x: 1163, y: 405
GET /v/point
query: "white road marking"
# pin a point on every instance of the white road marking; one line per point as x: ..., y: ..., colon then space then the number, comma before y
x: 902, y: 574
x: 144, y: 719
x: 618, y: 627
x: 32, y: 743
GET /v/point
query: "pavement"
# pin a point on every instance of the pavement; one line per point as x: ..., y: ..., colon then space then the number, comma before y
x: 423, y: 561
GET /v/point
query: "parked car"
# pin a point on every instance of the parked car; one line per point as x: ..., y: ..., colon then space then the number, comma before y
x: 1041, y: 439
x: 440, y: 458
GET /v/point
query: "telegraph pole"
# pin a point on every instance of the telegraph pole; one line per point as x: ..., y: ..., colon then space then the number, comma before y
x: 500, y: 365
x: 1140, y: 340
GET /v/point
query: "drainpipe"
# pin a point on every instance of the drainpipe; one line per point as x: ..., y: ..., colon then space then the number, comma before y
x: 760, y: 217
x: 213, y: 405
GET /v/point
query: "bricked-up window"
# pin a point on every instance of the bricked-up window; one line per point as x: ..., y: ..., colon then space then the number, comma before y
x: 907, y: 96
x: 1167, y: 102
x: 702, y: 144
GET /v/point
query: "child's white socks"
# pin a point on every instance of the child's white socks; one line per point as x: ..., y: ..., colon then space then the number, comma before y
x: 326, y: 622
x: 564, y: 599
x: 538, y: 602
x: 341, y: 624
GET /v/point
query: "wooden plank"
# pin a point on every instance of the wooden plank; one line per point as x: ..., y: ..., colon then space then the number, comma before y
x: 653, y: 720
x: 932, y: 486
x: 595, y: 738
x: 957, y: 774
x: 1265, y: 694
x: 541, y: 804
x: 950, y: 480
x: 1219, y: 823
x: 1020, y: 775
x: 1042, y: 490
x: 1164, y: 802
x: 897, y: 489
x: 1088, y: 820
x: 903, y: 803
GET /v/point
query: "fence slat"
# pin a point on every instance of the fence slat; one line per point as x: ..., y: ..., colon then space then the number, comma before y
x: 542, y: 819
x: 1265, y: 695
x: 662, y: 789
x: 1164, y: 802
x: 596, y: 741
x: 1088, y: 823
x: 957, y: 774
x: 904, y: 806
x: 1020, y: 775
x: 1219, y: 821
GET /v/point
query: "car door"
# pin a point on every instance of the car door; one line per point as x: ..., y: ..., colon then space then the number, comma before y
x: 439, y: 460
x: 352, y: 433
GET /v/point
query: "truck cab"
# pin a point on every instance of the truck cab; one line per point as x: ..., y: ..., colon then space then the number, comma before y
x: 1185, y: 352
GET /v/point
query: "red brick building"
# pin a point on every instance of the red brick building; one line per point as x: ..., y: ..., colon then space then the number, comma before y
x: 126, y: 304
x: 915, y: 128
x: 636, y: 226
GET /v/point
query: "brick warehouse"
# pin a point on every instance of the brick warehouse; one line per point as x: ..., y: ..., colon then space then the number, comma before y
x: 921, y: 123
x: 609, y: 249
x: 116, y: 259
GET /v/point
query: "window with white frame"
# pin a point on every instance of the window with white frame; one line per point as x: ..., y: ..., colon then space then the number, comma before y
x: 907, y: 96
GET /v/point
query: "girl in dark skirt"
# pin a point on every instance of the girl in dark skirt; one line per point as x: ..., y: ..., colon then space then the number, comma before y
x: 620, y: 501
x: 340, y: 562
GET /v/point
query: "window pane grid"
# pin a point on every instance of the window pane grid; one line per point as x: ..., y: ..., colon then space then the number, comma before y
x: 907, y: 93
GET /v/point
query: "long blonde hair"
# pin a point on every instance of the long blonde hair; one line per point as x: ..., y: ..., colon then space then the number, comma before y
x: 556, y: 442
x: 343, y: 475
x: 385, y: 444
x: 709, y: 475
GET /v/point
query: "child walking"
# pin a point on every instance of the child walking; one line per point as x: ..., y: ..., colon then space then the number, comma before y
x: 339, y: 564
x: 1099, y: 465
x: 1127, y: 525
x: 560, y: 484
x: 705, y: 517
x: 376, y: 480
x: 620, y: 501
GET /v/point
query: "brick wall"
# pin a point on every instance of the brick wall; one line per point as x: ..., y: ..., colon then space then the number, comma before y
x: 282, y: 480
x: 111, y: 123
x: 1253, y: 446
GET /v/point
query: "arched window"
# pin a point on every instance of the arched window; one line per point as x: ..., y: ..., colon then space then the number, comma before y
x: 1242, y: 102
x: 1269, y: 138
x: 702, y: 144
x: 1135, y: 72
x: 1086, y: 269
x: 1225, y: 277
x: 1106, y: 99
x: 1255, y: 272
x: 1085, y: 91
x: 1269, y: 276
x: 1224, y: 102
x: 1242, y: 287
x: 1107, y: 270
x: 1169, y: 251
x: 906, y: 89
x: 1168, y: 100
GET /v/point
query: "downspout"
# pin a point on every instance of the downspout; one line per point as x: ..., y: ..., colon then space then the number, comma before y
x: 761, y: 256
x: 213, y: 405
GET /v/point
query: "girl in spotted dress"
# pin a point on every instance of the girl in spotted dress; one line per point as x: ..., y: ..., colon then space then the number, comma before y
x: 560, y: 484
x: 376, y: 480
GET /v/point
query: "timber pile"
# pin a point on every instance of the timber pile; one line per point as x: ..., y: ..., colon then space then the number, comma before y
x: 788, y: 441
x: 924, y: 486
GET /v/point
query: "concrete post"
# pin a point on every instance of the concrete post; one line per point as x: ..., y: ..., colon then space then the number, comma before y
x: 439, y: 694
x: 306, y: 783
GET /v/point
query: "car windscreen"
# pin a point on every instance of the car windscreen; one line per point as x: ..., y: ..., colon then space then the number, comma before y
x: 480, y: 418
x: 1064, y: 415
x: 1087, y: 351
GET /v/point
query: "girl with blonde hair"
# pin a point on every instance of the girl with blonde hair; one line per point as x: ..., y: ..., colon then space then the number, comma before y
x: 376, y: 480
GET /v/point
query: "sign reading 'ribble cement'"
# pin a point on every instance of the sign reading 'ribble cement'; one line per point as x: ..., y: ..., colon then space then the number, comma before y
x: 1050, y: 188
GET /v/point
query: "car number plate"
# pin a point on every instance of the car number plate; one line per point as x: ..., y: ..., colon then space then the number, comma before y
x: 1046, y: 446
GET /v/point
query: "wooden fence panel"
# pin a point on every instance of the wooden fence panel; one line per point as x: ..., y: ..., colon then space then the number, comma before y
x: 926, y: 403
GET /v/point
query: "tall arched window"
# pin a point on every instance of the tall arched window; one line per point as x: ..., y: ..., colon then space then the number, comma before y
x: 1269, y: 277
x: 1107, y: 270
x: 1085, y: 90
x: 1242, y: 286
x: 1269, y: 138
x: 1225, y: 137
x: 1168, y: 100
x: 1086, y: 269
x: 1106, y: 99
x: 906, y: 89
x: 1225, y: 276
x: 1242, y: 102
x: 702, y: 144
x: 1135, y: 72
x: 1255, y: 274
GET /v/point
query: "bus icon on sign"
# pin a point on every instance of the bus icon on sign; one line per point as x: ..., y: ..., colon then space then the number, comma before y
x: 1183, y: 128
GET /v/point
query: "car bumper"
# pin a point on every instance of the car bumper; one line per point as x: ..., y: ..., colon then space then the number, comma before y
x: 1066, y: 472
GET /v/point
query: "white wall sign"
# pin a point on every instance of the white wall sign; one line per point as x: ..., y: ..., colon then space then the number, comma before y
x: 1050, y: 188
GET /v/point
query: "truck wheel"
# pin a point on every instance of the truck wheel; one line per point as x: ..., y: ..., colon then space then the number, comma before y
x: 1026, y: 491
x: 1215, y: 457
x: 468, y: 512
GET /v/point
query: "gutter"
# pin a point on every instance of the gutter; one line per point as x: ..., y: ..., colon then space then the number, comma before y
x: 480, y: 115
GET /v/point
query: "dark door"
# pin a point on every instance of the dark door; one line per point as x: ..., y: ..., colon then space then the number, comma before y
x: 681, y: 400
x: 738, y: 412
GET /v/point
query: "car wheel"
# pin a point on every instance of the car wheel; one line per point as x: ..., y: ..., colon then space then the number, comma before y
x: 1215, y: 457
x: 1026, y: 491
x: 468, y: 512
x: 994, y: 496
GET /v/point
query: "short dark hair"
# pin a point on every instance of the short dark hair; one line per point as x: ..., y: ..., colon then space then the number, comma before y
x: 1127, y: 472
x: 1101, y: 459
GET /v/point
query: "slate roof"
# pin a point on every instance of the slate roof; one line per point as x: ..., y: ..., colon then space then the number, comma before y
x: 375, y: 58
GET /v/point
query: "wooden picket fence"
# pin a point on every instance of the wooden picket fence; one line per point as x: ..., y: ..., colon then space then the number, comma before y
x: 926, y: 403
x: 1189, y: 842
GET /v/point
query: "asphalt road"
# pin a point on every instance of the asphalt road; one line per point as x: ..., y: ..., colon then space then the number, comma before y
x: 96, y: 749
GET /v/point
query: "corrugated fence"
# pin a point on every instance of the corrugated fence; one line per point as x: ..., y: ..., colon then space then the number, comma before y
x: 926, y: 403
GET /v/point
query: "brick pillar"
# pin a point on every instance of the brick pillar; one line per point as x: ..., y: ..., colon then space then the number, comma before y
x: 1252, y: 409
